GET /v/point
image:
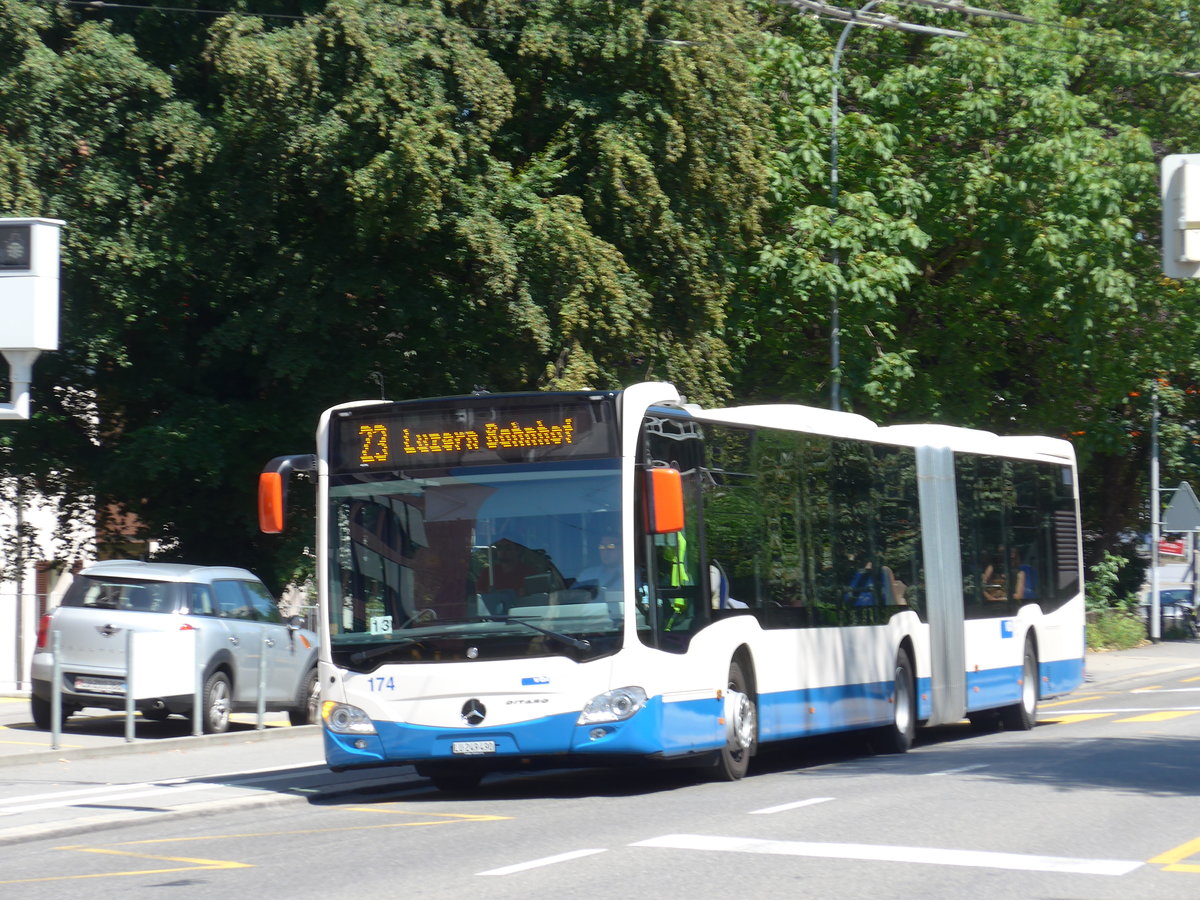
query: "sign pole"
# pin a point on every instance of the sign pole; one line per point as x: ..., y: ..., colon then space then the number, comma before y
x: 1155, y: 616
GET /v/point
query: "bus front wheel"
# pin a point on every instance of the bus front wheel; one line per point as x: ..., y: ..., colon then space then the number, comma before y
x: 741, y: 727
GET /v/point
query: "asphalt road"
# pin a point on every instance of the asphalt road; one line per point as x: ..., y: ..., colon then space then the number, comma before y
x: 1099, y: 801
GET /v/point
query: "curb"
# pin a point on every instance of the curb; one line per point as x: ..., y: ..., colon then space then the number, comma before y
x: 154, y: 745
x: 25, y: 834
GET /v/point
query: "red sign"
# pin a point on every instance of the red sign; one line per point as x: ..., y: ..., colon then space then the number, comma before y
x: 1171, y: 548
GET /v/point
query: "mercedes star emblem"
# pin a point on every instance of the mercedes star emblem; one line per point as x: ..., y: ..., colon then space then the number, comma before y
x: 473, y: 712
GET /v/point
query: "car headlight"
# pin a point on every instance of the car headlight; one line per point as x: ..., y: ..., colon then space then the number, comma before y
x: 613, y: 706
x: 345, y: 719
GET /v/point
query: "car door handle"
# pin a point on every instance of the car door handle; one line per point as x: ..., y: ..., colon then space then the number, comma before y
x: 270, y: 642
x: 234, y: 640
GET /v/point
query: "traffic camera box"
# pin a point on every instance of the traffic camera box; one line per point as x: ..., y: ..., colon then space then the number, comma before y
x: 29, y: 283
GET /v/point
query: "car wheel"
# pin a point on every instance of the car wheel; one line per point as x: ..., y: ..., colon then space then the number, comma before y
x: 218, y: 697
x: 308, y: 702
x: 43, y: 713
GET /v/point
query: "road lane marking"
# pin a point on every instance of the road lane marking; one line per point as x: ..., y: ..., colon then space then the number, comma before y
x: 1090, y: 698
x: 1072, y: 718
x: 784, y: 807
x: 926, y: 855
x: 1163, y: 690
x: 1171, y: 861
x: 1123, y: 710
x: 958, y: 770
x: 194, y: 865
x: 544, y: 861
x: 1162, y: 715
x: 100, y: 795
x: 442, y: 818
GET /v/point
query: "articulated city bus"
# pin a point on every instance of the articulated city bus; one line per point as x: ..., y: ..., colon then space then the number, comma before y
x: 559, y: 579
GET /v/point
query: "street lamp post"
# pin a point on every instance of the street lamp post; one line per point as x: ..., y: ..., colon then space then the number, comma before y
x: 835, y: 337
x: 835, y: 346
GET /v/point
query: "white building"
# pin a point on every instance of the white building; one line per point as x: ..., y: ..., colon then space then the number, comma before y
x: 36, y: 561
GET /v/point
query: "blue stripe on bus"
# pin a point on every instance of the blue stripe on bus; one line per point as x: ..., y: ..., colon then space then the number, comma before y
x: 693, y: 726
x: 791, y: 714
x: 660, y: 729
x: 990, y: 688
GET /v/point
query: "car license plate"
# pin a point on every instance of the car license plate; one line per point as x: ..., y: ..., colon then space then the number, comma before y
x: 472, y: 748
x: 100, y: 685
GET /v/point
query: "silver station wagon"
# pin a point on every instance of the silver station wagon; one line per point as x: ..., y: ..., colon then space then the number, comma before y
x: 239, y: 629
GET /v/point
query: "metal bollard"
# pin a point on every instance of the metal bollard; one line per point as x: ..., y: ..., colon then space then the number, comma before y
x: 262, y: 682
x: 129, y: 707
x: 198, y: 694
x: 55, y: 690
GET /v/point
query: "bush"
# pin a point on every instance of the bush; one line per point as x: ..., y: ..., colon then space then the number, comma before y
x: 1114, y: 629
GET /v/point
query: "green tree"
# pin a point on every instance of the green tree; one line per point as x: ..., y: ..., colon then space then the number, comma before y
x: 271, y: 214
x: 998, y: 227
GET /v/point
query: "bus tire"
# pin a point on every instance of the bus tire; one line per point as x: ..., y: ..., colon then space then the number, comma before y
x: 898, y: 736
x: 1022, y: 715
x: 741, y: 727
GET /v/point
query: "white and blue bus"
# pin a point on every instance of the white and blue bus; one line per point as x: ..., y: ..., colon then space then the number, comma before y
x: 557, y: 579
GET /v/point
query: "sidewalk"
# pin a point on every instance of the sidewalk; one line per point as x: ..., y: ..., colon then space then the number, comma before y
x: 1111, y: 666
x: 98, y: 732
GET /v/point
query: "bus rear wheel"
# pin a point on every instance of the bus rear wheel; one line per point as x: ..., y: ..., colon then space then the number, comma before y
x: 898, y: 736
x: 741, y: 727
x: 1022, y: 715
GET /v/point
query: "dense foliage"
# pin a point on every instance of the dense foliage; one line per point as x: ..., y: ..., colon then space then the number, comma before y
x: 306, y: 201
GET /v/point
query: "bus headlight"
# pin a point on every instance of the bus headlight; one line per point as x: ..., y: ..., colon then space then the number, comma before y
x: 345, y: 719
x: 613, y: 706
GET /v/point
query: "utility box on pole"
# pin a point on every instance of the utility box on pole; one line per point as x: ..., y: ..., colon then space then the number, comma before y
x: 28, y: 302
x: 29, y: 284
x: 1180, y: 187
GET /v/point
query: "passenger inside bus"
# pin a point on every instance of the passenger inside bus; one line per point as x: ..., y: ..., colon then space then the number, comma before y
x: 996, y: 578
x: 870, y: 586
x: 607, y: 572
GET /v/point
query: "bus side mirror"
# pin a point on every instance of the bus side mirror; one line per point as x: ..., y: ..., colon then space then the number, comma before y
x: 664, y: 501
x: 273, y: 486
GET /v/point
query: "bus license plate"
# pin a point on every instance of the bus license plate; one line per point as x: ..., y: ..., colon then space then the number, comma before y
x: 472, y: 748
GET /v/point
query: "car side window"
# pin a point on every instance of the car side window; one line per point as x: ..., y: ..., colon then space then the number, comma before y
x: 200, y: 600
x: 262, y: 602
x: 232, y: 601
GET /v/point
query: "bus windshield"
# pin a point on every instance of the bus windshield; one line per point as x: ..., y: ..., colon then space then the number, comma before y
x: 516, y: 560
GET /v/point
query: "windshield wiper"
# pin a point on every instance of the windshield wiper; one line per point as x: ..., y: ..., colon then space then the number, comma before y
x: 577, y: 643
x: 393, y: 644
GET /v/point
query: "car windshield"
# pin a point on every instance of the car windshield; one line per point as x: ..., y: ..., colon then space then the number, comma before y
x: 477, y: 554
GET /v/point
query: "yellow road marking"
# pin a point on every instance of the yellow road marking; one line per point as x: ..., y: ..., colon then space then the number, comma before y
x: 462, y: 817
x: 194, y: 864
x: 1088, y: 699
x: 1072, y: 719
x: 445, y: 819
x: 1162, y: 716
x: 1171, y: 860
x: 1193, y: 678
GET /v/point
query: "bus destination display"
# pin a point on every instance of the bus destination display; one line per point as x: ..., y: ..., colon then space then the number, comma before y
x: 402, y: 436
